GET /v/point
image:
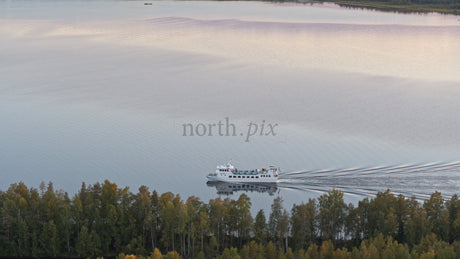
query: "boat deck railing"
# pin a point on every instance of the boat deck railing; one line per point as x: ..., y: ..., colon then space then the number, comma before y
x: 249, y: 172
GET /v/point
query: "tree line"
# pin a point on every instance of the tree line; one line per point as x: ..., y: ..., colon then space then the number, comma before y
x: 404, y: 6
x: 432, y: 3
x: 105, y: 220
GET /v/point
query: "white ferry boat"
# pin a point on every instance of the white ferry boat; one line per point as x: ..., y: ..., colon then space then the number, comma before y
x: 228, y: 173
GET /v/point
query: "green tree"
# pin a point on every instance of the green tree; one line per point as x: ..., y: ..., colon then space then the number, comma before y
x: 401, y: 213
x: 274, y: 219
x: 382, y: 217
x: 271, y: 251
x: 332, y: 214
x: 143, y: 214
x: 156, y: 254
x: 437, y: 217
x: 200, y: 255
x: 49, y: 238
x: 303, y: 224
x: 244, y: 221
x: 453, y: 211
x: 212, y: 249
x: 194, y: 206
x: 312, y: 252
x: 94, y: 244
x: 327, y: 250
x: 203, y: 226
x: 283, y: 226
x: 172, y: 255
x: 217, y: 219
x: 82, y: 242
x: 289, y: 254
x: 260, y: 227
x: 108, y: 228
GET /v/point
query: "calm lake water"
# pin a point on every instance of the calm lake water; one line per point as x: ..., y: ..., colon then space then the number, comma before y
x: 95, y: 90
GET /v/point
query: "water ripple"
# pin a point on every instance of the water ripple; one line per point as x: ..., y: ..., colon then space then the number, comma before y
x: 416, y: 180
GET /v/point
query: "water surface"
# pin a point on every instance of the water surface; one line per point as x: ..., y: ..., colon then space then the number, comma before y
x: 94, y: 90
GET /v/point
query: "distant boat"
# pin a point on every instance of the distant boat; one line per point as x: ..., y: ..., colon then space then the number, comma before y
x: 147, y: 3
x: 228, y: 173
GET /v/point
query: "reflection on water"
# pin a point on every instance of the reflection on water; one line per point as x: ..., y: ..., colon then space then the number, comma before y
x: 224, y: 188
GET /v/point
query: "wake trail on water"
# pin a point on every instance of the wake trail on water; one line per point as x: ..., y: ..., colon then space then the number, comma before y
x: 410, y: 180
x: 379, y: 170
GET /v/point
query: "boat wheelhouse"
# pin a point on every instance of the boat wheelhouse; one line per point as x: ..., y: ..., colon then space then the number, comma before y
x: 228, y: 173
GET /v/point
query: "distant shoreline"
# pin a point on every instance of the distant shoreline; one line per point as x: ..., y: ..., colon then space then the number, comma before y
x: 390, y: 6
x: 400, y: 6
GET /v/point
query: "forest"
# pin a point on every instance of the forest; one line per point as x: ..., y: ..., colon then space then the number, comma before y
x: 105, y: 220
x: 402, y: 6
x: 405, y: 6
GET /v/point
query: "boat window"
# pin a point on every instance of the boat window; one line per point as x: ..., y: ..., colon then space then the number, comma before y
x: 239, y: 176
x: 252, y: 176
x: 257, y: 177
